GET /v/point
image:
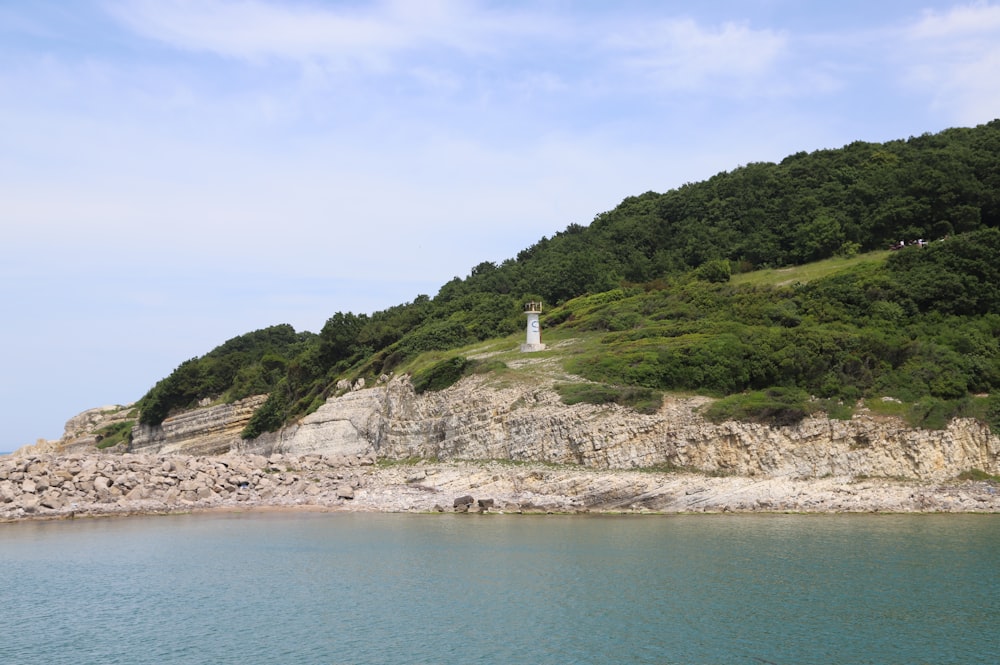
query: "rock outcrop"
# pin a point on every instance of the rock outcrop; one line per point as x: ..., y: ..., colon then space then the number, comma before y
x: 208, y: 430
x: 484, y: 417
x: 50, y: 486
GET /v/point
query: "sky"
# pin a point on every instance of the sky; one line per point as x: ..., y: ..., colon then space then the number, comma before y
x: 176, y: 173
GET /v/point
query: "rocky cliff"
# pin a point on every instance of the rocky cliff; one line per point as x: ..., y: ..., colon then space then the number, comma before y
x: 209, y: 430
x: 520, y: 418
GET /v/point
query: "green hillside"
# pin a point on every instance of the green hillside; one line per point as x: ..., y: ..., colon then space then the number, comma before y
x: 770, y: 286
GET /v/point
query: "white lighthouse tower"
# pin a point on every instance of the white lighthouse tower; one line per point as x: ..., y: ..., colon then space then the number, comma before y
x: 533, y: 337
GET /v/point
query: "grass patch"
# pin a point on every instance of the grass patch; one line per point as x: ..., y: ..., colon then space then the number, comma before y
x: 387, y: 463
x: 643, y: 400
x: 808, y: 272
x: 487, y: 366
x: 836, y: 409
x: 979, y: 475
x: 442, y: 374
x: 935, y: 413
x: 446, y: 373
x: 774, y: 406
x: 887, y: 406
x: 115, y: 433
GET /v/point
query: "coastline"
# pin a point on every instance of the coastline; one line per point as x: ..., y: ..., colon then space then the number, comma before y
x: 50, y: 486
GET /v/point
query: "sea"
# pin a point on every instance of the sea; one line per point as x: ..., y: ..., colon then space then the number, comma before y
x: 353, y: 589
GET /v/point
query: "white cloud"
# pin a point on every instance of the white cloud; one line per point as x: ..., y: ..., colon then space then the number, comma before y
x: 431, y: 41
x: 346, y: 35
x: 683, y: 55
x: 954, y: 57
x: 958, y: 23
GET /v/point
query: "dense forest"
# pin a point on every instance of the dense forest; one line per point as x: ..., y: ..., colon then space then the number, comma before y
x: 654, y: 281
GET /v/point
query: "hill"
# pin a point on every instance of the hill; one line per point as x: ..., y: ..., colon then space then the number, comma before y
x: 703, y: 289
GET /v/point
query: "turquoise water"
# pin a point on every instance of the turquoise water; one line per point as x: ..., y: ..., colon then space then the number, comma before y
x: 360, y: 589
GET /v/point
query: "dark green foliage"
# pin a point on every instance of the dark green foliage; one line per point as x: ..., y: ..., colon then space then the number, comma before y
x: 856, y: 334
x: 440, y: 375
x: 717, y: 270
x: 654, y: 274
x: 112, y: 435
x: 992, y: 412
x: 774, y: 406
x: 486, y: 366
x: 639, y: 399
x: 931, y: 412
x: 436, y: 336
x: 246, y: 365
x: 339, y: 339
x: 269, y: 417
x: 958, y: 276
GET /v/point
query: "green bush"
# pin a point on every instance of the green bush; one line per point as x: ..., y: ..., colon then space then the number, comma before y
x: 714, y: 271
x: 269, y: 416
x: 440, y: 375
x: 978, y: 475
x: 112, y: 435
x: 774, y: 406
x: 643, y: 400
x: 992, y: 412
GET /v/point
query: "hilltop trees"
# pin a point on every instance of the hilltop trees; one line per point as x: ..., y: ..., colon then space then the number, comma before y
x: 250, y: 364
x: 871, y: 330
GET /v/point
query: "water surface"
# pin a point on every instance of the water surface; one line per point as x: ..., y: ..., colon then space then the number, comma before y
x: 364, y: 589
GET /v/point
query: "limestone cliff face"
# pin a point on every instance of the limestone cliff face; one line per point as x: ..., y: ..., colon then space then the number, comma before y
x: 477, y: 419
x: 81, y: 432
x: 485, y: 417
x: 209, y: 430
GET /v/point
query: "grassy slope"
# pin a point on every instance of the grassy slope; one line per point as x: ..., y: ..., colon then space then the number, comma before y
x: 569, y: 341
x: 562, y: 343
x: 808, y: 272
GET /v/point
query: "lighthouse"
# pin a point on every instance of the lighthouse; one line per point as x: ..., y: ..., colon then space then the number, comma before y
x: 533, y: 336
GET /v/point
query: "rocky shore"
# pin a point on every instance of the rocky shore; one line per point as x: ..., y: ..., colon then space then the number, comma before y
x: 55, y: 486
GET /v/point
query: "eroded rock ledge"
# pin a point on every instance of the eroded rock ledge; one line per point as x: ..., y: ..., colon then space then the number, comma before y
x: 486, y: 419
x: 509, y: 441
x: 64, y: 486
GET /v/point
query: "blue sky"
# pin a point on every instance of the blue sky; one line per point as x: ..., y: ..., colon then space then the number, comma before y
x: 174, y: 174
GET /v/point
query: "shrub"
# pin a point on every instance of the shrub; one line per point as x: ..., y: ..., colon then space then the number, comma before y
x: 269, y: 416
x: 714, y: 271
x: 440, y: 375
x: 978, y: 475
x: 774, y: 406
x: 643, y: 400
x: 112, y: 435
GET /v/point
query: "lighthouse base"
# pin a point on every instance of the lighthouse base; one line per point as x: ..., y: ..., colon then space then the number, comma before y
x: 528, y: 348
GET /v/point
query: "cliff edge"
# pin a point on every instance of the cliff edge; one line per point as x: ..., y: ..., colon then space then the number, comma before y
x: 510, y: 418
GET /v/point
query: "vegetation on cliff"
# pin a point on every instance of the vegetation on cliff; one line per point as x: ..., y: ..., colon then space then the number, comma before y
x: 662, y: 289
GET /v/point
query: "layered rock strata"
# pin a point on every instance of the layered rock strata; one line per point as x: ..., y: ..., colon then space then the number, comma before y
x: 209, y: 430
x: 480, y: 418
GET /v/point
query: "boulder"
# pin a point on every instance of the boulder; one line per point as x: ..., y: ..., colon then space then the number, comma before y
x: 466, y: 501
x: 136, y: 493
x: 52, y: 500
x: 29, y: 503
